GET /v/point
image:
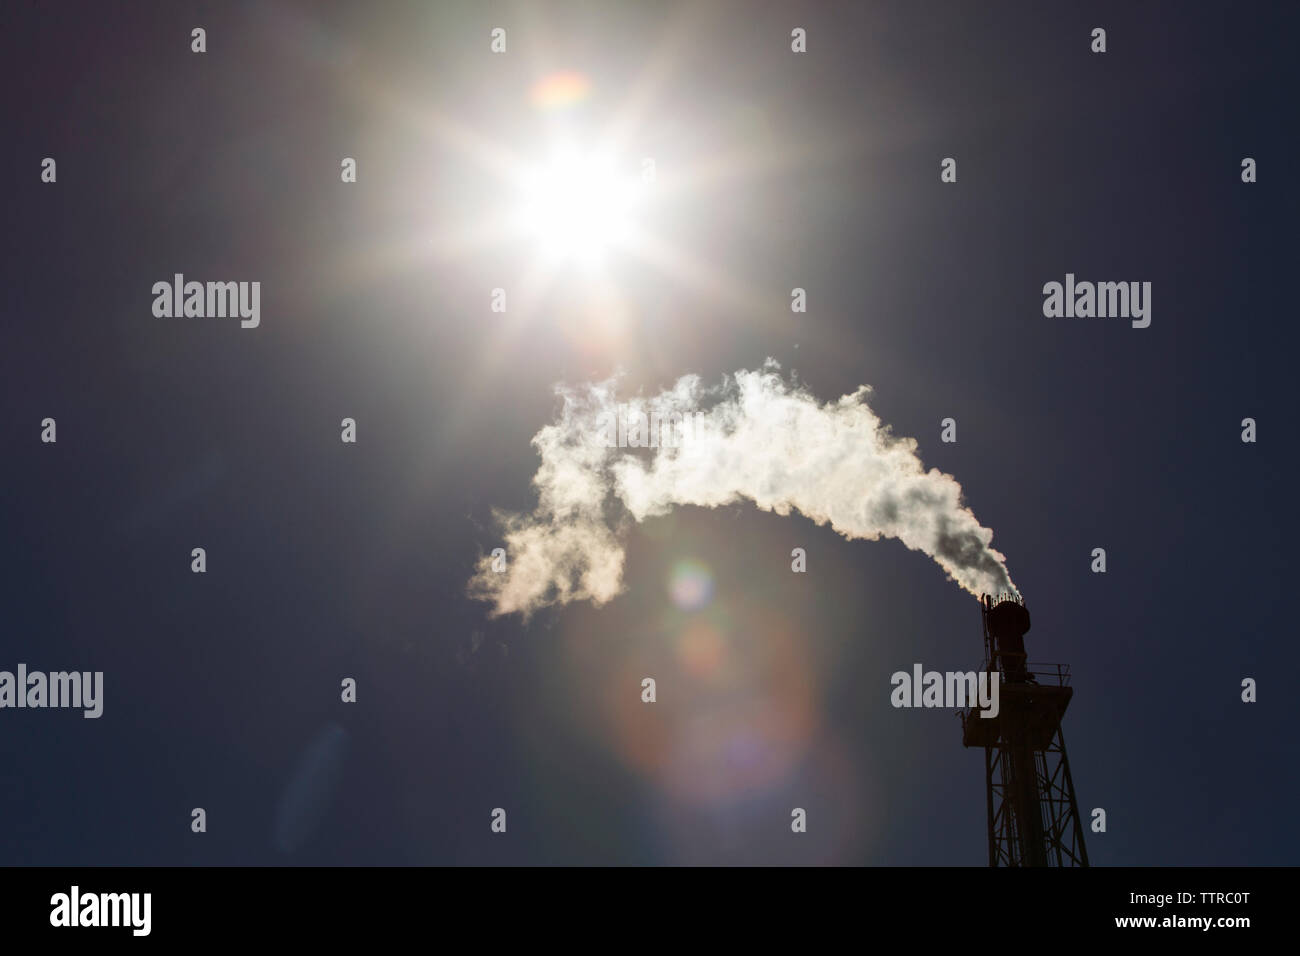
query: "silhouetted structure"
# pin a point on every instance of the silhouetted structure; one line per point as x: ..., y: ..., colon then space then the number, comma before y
x: 1033, y: 817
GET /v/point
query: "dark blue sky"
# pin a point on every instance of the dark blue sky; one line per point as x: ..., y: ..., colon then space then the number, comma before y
x: 328, y: 560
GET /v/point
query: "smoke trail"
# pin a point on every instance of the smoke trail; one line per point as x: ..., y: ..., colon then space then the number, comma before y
x: 753, y: 437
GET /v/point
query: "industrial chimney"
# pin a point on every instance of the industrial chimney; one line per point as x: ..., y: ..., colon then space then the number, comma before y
x: 1033, y: 818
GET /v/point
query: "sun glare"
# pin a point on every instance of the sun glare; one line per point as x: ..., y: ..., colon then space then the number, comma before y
x: 579, y: 206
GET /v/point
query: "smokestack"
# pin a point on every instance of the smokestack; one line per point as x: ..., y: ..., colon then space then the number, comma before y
x: 1008, y: 622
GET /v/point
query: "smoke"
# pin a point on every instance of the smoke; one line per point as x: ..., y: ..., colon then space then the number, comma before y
x: 754, y: 437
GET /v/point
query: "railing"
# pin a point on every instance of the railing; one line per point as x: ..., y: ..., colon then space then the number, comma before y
x: 1042, y: 673
x: 1045, y: 672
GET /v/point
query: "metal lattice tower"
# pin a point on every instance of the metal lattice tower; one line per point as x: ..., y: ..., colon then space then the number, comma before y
x: 1033, y: 817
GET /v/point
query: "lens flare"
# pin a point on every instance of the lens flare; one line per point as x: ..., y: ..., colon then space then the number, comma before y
x: 690, y: 585
x: 701, y: 650
x: 560, y: 89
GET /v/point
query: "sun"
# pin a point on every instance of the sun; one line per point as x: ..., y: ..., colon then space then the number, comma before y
x: 578, y: 206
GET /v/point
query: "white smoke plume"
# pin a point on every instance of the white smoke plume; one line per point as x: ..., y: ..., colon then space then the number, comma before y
x: 754, y: 437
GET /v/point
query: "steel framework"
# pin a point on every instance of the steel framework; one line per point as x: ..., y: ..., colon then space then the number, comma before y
x: 1033, y: 817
